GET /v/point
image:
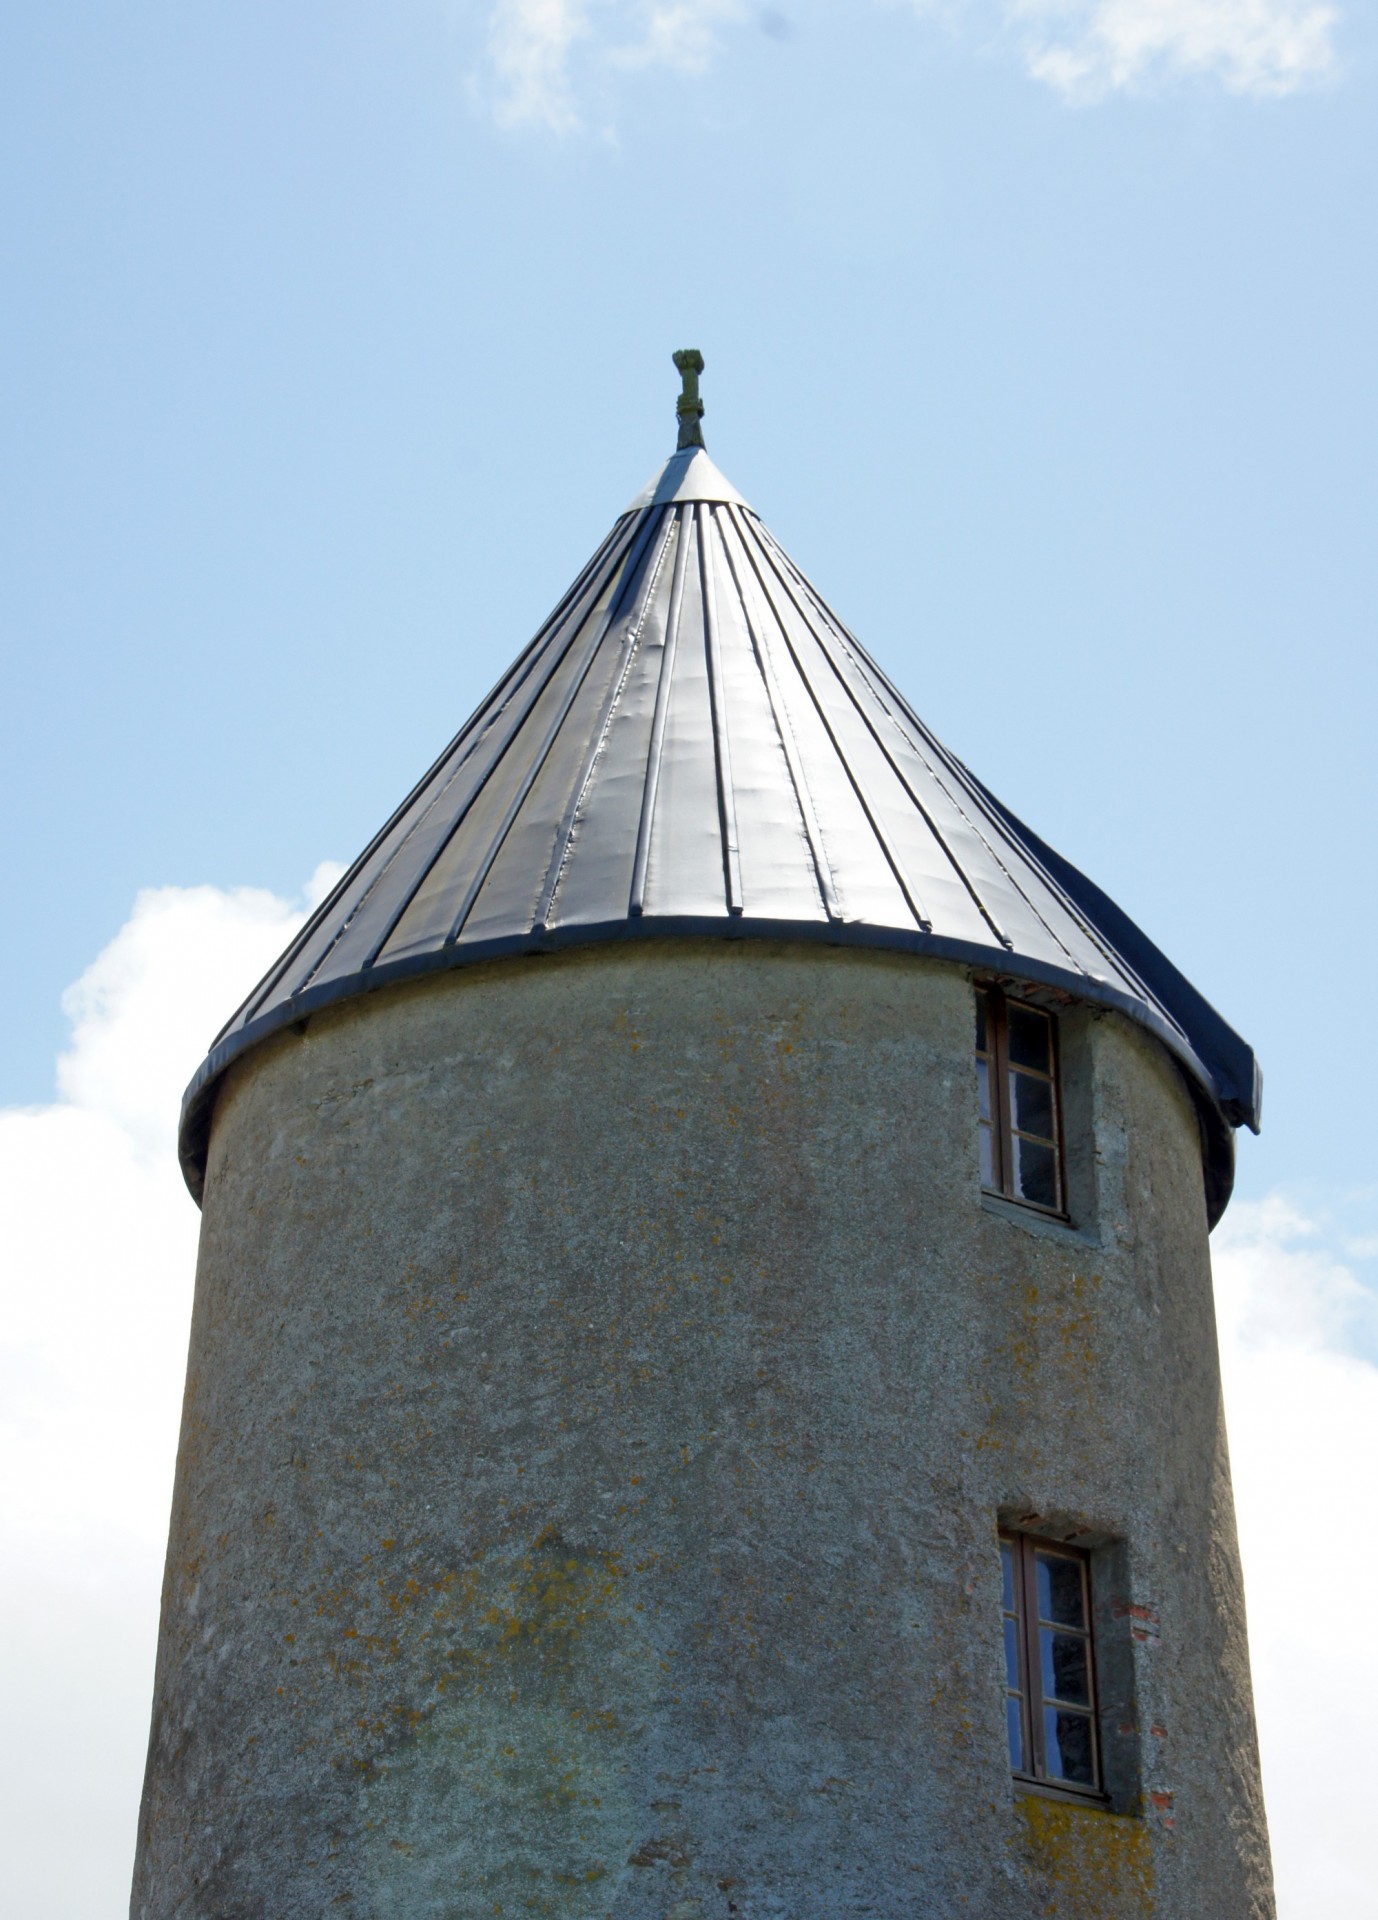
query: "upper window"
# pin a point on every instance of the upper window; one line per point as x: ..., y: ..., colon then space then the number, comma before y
x: 1050, y: 1682
x: 1021, y: 1130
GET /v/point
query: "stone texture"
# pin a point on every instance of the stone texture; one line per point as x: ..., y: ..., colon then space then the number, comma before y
x: 605, y: 1382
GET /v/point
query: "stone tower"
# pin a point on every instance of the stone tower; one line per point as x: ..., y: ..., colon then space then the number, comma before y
x: 703, y: 1395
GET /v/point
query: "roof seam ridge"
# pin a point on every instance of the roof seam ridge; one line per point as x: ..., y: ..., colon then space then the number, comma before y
x: 868, y: 805
x: 591, y: 582
x: 717, y: 702
x: 636, y: 903
x: 569, y: 824
x: 897, y: 712
x: 829, y: 893
x: 985, y: 911
x: 862, y: 660
x: 614, y: 608
x: 250, y: 1005
x: 514, y: 673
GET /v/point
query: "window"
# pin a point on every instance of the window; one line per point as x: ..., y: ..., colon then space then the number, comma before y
x: 1016, y: 1069
x: 1050, y: 1683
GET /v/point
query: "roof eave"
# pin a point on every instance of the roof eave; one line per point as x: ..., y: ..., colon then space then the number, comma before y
x: 199, y: 1099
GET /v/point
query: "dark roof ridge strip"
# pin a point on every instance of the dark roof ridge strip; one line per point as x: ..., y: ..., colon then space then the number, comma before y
x: 565, y: 832
x: 636, y: 904
x: 982, y: 906
x: 480, y: 750
x: 717, y: 701
x: 1116, y: 955
x: 868, y: 805
x: 1219, y: 1048
x: 614, y: 610
x: 823, y: 870
x: 505, y: 684
x: 903, y: 716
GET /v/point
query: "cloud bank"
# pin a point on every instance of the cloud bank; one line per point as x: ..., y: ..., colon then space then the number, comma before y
x: 548, y: 59
x: 543, y: 54
x: 1302, y: 1406
x: 100, y: 1247
x: 99, y: 1253
x: 1086, y: 49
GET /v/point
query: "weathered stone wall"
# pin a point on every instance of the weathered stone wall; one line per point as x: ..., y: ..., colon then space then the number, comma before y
x: 605, y: 1380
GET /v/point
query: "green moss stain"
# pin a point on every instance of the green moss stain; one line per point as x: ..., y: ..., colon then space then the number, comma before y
x: 513, y: 1784
x: 1088, y: 1864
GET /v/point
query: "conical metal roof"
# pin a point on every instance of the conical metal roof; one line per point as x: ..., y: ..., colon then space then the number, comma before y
x: 694, y: 744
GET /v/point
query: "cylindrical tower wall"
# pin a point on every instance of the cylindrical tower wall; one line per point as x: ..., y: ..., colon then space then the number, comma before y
x: 606, y: 1382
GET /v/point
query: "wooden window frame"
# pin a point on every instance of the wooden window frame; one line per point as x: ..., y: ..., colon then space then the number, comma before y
x: 1002, y: 1128
x: 1026, y: 1547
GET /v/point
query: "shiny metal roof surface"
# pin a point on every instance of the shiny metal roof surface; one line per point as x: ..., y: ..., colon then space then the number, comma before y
x: 694, y: 744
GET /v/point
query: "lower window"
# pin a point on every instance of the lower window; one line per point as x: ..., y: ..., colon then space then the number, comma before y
x: 1050, y: 1680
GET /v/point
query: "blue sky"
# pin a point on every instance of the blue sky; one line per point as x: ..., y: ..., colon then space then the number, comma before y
x: 336, y: 333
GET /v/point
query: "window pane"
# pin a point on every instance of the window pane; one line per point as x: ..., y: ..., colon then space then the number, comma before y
x: 983, y: 1089
x: 1035, y: 1172
x: 987, y: 1158
x: 1030, y: 1038
x: 1071, y: 1756
x: 1060, y: 1591
x: 1066, y: 1669
x: 1014, y: 1732
x: 982, y: 1045
x: 1031, y: 1102
x: 1012, y: 1660
x: 1007, y: 1569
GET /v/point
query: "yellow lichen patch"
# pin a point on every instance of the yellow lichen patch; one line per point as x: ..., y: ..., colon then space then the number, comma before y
x: 1092, y: 1865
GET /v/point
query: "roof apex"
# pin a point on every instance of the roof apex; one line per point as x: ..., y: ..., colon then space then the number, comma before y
x: 687, y: 475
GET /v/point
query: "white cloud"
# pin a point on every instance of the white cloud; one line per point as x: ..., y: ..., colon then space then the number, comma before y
x: 529, y: 46
x: 680, y: 34
x: 1303, y: 1413
x: 534, y: 47
x: 99, y: 1251
x: 1087, y: 49
x: 547, y: 59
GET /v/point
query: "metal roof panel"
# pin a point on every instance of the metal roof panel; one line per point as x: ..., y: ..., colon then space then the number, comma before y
x: 695, y: 744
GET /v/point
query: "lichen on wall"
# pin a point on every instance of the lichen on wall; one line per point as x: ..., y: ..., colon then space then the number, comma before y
x: 1086, y: 1864
x: 606, y: 1380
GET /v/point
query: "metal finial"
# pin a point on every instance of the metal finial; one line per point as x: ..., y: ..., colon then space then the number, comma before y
x: 689, y: 408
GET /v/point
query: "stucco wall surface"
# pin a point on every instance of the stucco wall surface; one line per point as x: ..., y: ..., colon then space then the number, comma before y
x: 605, y: 1382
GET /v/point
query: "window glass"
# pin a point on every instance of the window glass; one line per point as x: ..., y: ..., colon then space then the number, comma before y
x: 1014, y: 1733
x: 1069, y: 1746
x: 1060, y: 1596
x: 1050, y: 1685
x: 1016, y: 1085
x: 1035, y: 1172
x: 1012, y: 1654
x: 1066, y: 1670
x: 1030, y: 1038
x: 1031, y: 1104
x: 1016, y: 1728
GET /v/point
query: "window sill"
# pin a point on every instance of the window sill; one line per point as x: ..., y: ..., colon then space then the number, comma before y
x: 1069, y: 1796
x: 1047, y: 1226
